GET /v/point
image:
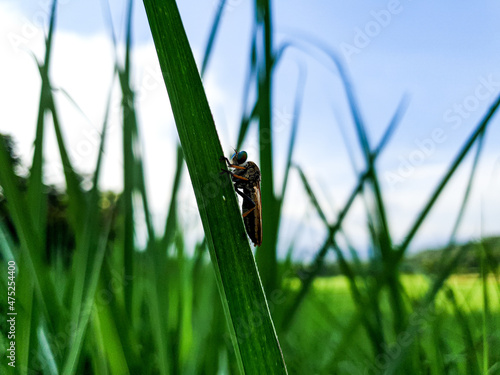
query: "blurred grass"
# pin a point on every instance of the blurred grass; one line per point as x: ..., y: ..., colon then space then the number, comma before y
x: 103, y: 306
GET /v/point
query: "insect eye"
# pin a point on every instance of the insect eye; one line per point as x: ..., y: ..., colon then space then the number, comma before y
x: 242, y: 157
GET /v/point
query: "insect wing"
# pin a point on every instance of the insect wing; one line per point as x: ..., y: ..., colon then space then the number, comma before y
x: 253, y: 220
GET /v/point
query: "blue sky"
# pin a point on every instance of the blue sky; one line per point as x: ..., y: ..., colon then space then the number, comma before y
x: 445, y: 55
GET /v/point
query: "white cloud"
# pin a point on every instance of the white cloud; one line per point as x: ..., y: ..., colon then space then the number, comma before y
x: 83, y: 66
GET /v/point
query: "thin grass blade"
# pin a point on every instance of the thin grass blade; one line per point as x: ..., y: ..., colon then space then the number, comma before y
x: 211, y: 37
x: 481, y: 127
x: 256, y: 346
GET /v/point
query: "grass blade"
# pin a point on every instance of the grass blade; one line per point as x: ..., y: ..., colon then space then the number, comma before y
x: 211, y: 37
x: 318, y: 260
x: 129, y: 121
x: 86, y: 280
x: 250, y: 76
x: 266, y: 254
x: 295, y: 124
x: 256, y: 345
x: 451, y: 170
x: 171, y: 222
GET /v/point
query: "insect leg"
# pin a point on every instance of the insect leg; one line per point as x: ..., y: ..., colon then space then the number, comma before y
x: 246, y: 199
x: 233, y: 175
x: 223, y: 158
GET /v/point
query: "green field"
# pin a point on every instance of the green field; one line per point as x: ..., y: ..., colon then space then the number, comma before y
x: 443, y: 331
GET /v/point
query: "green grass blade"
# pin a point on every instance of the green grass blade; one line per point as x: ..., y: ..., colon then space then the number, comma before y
x: 312, y: 196
x: 295, y: 124
x: 299, y: 94
x: 28, y: 234
x: 36, y: 199
x: 451, y: 242
x: 115, y: 352
x: 211, y: 37
x: 382, y: 228
x: 346, y: 270
x: 97, y: 172
x: 171, y: 221
x: 266, y: 254
x: 77, y: 201
x: 256, y: 345
x: 71, y: 360
x: 157, y: 293
x: 319, y: 258
x: 393, y: 124
x: 444, y: 181
x: 24, y: 290
x: 467, y: 336
x: 250, y: 76
x: 129, y: 165
x: 486, y: 327
x: 86, y: 279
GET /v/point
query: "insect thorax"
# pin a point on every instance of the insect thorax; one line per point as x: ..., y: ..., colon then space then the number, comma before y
x: 252, y: 173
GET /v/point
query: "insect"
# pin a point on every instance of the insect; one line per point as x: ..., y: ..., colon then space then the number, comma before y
x: 246, y: 178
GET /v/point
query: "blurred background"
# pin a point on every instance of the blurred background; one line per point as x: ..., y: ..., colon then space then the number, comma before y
x: 385, y: 166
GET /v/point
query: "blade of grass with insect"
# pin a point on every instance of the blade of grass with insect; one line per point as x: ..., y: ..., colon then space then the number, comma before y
x: 256, y: 346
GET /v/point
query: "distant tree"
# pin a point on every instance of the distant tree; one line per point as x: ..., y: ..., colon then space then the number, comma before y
x: 59, y: 235
x: 15, y: 164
